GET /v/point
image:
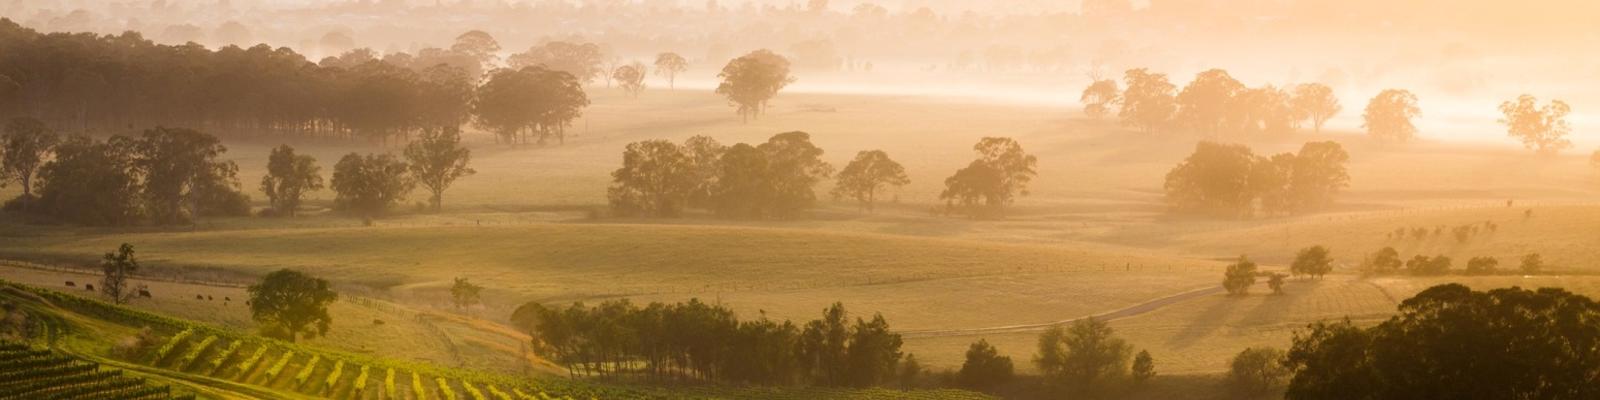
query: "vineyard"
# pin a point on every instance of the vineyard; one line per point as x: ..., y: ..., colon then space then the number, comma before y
x: 210, y: 355
x: 28, y: 373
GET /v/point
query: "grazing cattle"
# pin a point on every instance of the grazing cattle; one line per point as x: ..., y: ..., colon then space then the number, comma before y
x: 88, y: 287
x: 144, y: 293
x: 226, y: 298
x: 70, y: 284
x: 199, y: 297
x: 376, y: 321
x: 208, y: 297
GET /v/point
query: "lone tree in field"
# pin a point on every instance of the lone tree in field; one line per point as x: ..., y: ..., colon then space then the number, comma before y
x: 999, y: 175
x: 290, y: 304
x: 1099, y: 97
x: 671, y: 64
x: 1086, y: 358
x: 1256, y: 370
x: 1149, y: 102
x: 1144, y: 367
x: 751, y: 80
x: 464, y: 293
x: 1541, y: 129
x: 1239, y: 276
x: 1207, y: 103
x: 26, y: 144
x: 118, y: 267
x: 869, y: 172
x: 1385, y: 261
x: 1316, y: 102
x: 436, y: 159
x: 984, y: 368
x: 630, y: 78
x: 1450, y: 342
x: 1532, y: 263
x: 369, y: 185
x: 1482, y: 265
x: 1312, y: 261
x: 656, y: 179
x: 289, y: 176
x: 183, y: 167
x: 1388, y: 116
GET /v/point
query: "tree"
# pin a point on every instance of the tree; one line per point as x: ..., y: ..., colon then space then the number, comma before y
x: 1275, y: 282
x: 1144, y: 367
x: 1318, y: 174
x: 1315, y: 101
x: 369, y: 185
x: 910, y: 371
x: 671, y: 64
x: 183, y: 167
x: 290, y: 304
x: 870, y: 171
x: 1541, y: 129
x: 873, y: 352
x: 23, y: 149
x: 824, y: 346
x: 464, y: 293
x: 630, y: 78
x: 656, y: 179
x: 533, y: 100
x: 1312, y: 261
x: 705, y: 164
x: 1239, y: 276
x: 436, y: 159
x: 1482, y: 265
x: 1532, y: 263
x: 289, y: 176
x: 1086, y: 357
x: 1149, y: 103
x: 118, y: 267
x: 793, y: 166
x: 1423, y: 265
x: 1215, y: 180
x: 91, y: 182
x: 479, y: 45
x: 1257, y: 370
x: 1000, y: 174
x: 1099, y: 97
x: 1388, y: 116
x: 753, y: 79
x: 984, y: 368
x: 1385, y: 261
x: 1266, y: 109
x: 1207, y: 102
x: 1450, y: 342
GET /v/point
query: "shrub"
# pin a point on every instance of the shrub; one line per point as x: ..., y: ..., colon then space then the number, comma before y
x: 985, y: 368
x: 1256, y: 370
x: 1482, y: 265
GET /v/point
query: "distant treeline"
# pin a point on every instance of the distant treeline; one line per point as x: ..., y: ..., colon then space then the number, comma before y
x: 695, y: 340
x: 110, y: 83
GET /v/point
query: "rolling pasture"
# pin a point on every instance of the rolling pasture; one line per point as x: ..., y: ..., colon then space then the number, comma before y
x: 1091, y: 238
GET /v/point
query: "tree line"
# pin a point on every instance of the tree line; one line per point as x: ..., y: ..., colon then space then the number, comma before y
x: 1229, y: 180
x: 708, y: 342
x: 167, y: 176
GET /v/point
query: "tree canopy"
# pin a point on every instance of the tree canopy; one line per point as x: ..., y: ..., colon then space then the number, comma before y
x: 1149, y: 103
x: 290, y: 304
x: 289, y: 176
x: 869, y: 172
x: 991, y: 182
x: 671, y: 64
x: 1388, y: 116
x: 1541, y: 129
x: 1453, y: 342
x: 753, y: 79
x: 368, y: 185
x: 436, y: 159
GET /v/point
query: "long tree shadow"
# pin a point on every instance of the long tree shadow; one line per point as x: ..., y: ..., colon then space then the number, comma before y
x: 1206, y: 322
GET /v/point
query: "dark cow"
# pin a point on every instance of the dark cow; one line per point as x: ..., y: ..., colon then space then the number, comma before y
x: 70, y: 284
x: 199, y: 297
x: 89, y: 287
x: 144, y: 293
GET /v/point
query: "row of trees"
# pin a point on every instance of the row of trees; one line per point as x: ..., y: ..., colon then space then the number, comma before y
x: 1387, y: 261
x: 175, y: 175
x: 776, y: 179
x: 695, y: 340
x: 1229, y: 180
x: 1213, y: 104
x: 163, y: 176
